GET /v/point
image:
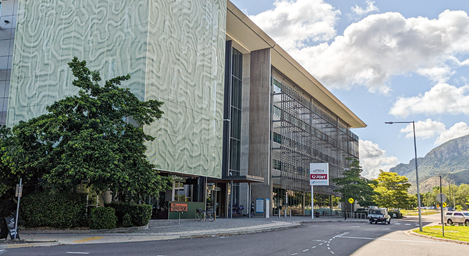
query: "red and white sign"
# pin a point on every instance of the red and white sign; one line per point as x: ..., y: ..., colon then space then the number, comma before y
x: 319, y: 174
x: 318, y: 177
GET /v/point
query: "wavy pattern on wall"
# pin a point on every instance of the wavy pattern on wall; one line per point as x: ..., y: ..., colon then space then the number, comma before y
x: 185, y: 70
x: 173, y: 49
x: 110, y: 35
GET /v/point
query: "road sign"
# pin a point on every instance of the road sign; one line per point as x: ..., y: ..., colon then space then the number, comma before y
x: 319, y: 174
x: 19, y: 190
x: 441, y: 198
x: 444, y: 205
x: 350, y: 200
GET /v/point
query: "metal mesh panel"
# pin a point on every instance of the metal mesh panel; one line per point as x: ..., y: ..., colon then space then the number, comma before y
x: 307, y: 132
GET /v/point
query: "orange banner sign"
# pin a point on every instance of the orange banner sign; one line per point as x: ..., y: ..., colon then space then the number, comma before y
x: 179, y: 207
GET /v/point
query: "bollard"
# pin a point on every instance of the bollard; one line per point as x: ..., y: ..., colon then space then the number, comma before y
x: 285, y: 213
x: 290, y: 213
x: 279, y: 213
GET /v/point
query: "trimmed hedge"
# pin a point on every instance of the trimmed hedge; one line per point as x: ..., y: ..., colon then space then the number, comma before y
x: 140, y: 214
x: 58, y: 210
x: 103, y: 218
x: 127, y: 220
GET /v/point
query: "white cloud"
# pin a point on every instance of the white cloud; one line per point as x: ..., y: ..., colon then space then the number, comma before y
x: 370, y: 7
x: 437, y: 74
x: 294, y: 24
x: 373, y: 159
x: 441, y: 99
x: 429, y: 129
x: 424, y: 129
x: 371, y: 50
x: 456, y: 131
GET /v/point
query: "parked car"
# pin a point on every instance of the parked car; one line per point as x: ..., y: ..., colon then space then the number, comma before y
x: 379, y: 215
x: 457, y: 217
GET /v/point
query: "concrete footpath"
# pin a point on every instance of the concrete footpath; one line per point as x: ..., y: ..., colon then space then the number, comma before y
x: 165, y: 230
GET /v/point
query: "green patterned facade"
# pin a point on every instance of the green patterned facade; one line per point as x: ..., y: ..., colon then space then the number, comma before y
x: 173, y: 49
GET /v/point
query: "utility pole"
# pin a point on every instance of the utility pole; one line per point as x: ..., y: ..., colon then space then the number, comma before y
x: 441, y: 209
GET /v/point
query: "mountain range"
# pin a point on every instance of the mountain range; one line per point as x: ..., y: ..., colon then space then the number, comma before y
x: 450, y: 160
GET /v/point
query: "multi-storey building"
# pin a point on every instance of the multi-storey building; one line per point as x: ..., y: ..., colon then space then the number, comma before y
x: 8, y: 12
x: 242, y: 120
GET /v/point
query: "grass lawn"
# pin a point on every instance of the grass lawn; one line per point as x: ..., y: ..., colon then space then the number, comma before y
x: 416, y: 212
x: 459, y: 233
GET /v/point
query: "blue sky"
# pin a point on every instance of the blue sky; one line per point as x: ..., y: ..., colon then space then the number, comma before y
x: 387, y: 61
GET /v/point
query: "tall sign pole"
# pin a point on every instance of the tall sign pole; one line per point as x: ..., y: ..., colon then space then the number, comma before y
x: 441, y: 210
x: 19, y: 192
x: 312, y: 202
x: 319, y: 176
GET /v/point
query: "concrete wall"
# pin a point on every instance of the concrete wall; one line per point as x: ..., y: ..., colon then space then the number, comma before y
x: 244, y: 195
x: 259, y: 118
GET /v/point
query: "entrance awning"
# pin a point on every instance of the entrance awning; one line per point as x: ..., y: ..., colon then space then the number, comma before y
x: 238, y: 179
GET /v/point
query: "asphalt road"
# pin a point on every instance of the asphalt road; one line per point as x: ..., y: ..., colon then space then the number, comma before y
x: 309, y: 239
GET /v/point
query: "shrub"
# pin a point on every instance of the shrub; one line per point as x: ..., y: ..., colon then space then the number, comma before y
x: 7, y: 208
x: 58, y: 210
x: 398, y: 215
x: 127, y: 220
x: 140, y: 214
x: 103, y: 218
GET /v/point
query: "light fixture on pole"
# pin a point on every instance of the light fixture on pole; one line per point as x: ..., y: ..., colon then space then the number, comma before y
x: 416, y: 170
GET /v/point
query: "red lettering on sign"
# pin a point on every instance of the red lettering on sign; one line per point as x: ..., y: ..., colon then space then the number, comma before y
x: 318, y: 176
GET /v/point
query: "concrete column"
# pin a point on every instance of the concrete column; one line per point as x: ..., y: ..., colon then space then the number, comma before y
x: 244, y: 187
x: 259, y: 124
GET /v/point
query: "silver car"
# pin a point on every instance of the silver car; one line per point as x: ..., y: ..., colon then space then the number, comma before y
x: 457, y: 217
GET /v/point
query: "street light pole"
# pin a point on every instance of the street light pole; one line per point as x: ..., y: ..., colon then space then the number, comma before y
x: 416, y: 170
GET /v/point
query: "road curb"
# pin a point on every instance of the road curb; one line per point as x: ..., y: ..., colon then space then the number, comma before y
x: 240, y: 232
x: 26, y: 245
x: 85, y: 231
x: 410, y: 232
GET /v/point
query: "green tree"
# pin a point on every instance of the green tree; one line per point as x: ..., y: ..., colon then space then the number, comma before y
x: 96, y: 136
x: 352, y: 185
x: 391, y: 190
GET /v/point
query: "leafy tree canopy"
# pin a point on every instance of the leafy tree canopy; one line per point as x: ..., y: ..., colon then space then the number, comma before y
x: 95, y: 136
x: 354, y: 186
x: 391, y: 190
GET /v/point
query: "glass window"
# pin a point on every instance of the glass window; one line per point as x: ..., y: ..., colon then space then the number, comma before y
x: 458, y: 214
x: 277, y: 138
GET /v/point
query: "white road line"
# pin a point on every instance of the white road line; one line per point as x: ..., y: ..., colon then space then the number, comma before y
x: 295, y: 253
x: 313, y: 247
x: 329, y: 248
x: 407, y: 224
x: 332, y: 252
x: 320, y: 244
x: 394, y: 240
x: 78, y: 252
x: 306, y: 250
